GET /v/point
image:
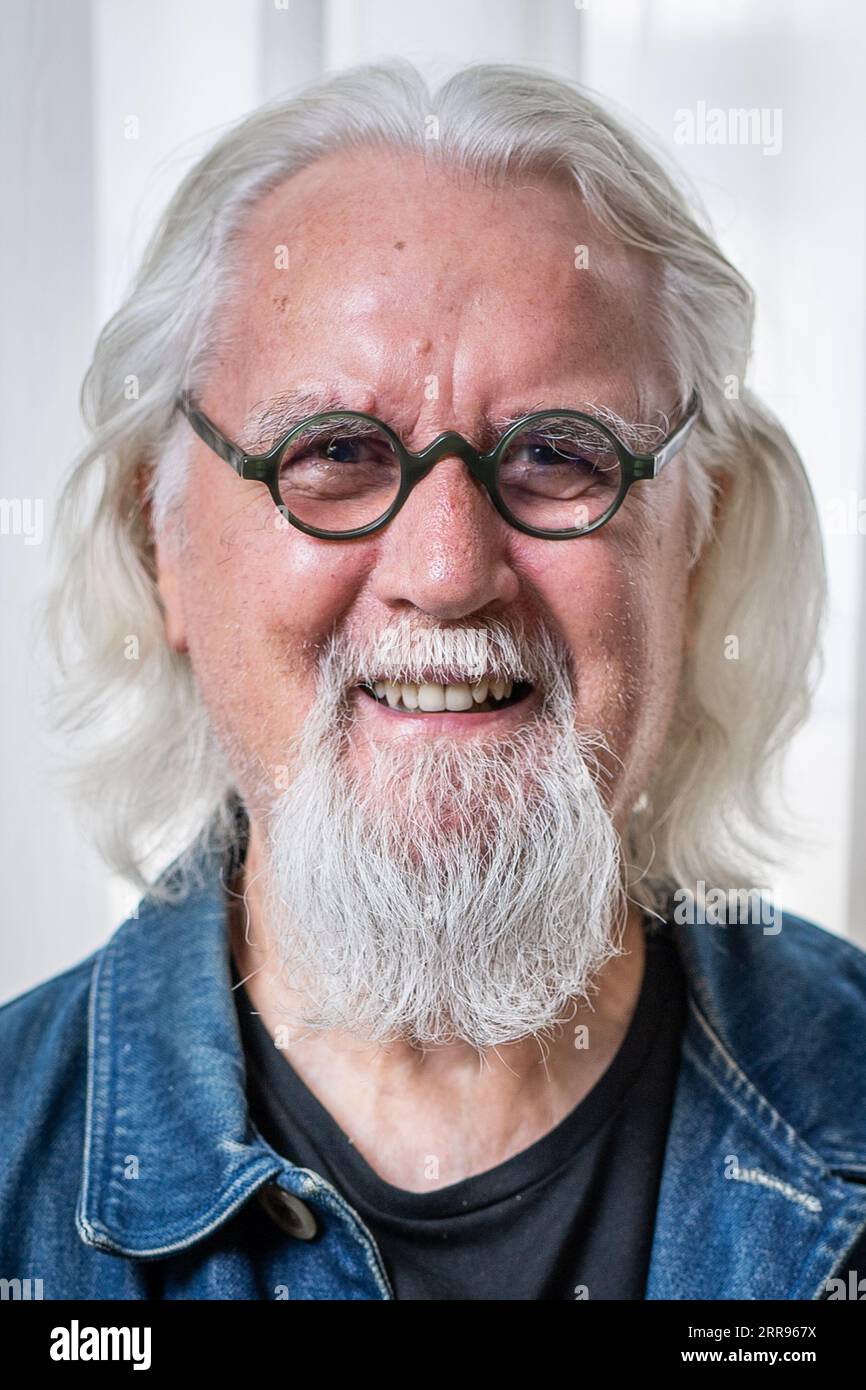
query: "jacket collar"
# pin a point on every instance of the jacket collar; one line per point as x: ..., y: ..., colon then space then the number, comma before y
x: 758, y: 1170
x: 169, y: 1154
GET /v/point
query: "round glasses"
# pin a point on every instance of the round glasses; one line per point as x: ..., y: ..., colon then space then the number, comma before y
x: 556, y: 474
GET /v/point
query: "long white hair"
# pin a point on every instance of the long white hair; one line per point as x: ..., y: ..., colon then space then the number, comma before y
x: 146, y: 770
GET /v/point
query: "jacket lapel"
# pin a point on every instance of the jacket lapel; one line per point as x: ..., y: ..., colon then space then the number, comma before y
x: 747, y: 1208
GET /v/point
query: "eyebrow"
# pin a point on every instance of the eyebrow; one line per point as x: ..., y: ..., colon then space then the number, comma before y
x: 638, y: 436
x: 273, y: 418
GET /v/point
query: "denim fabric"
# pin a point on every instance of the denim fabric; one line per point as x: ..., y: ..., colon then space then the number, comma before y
x: 129, y: 1167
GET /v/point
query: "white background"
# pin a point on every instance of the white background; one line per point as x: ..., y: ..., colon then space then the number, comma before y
x: 81, y: 200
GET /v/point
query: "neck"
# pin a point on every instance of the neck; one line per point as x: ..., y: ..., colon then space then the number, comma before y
x: 402, y: 1104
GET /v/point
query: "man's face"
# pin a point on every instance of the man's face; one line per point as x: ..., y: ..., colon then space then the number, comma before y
x: 458, y: 873
x: 430, y: 303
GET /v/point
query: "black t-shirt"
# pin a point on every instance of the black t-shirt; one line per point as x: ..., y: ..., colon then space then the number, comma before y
x: 572, y: 1216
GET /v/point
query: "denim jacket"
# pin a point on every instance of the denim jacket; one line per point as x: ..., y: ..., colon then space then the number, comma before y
x: 129, y: 1167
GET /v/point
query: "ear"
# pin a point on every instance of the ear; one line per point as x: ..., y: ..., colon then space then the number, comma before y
x: 168, y: 582
x: 722, y: 484
x: 168, y: 572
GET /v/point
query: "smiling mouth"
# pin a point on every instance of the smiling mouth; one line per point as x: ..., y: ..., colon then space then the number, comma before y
x: 478, y: 697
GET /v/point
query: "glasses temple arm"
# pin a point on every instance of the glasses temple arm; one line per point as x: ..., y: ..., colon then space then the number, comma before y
x: 675, y: 442
x: 210, y: 434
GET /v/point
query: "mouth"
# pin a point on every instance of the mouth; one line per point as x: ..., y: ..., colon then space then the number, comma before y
x: 458, y: 697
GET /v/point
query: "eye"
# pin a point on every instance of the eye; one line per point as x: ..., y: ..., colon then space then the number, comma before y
x: 546, y: 453
x: 339, y: 474
x: 348, y: 449
x: 561, y: 452
x: 559, y: 474
x: 339, y: 448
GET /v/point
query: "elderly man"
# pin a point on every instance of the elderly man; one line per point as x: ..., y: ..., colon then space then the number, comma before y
x: 435, y: 594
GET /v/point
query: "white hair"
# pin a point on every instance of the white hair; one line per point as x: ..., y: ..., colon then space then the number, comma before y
x: 143, y: 743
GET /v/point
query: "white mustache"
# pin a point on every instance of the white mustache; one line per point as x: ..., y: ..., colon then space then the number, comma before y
x: 451, y: 656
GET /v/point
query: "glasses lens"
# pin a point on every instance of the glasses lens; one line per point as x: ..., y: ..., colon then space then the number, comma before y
x: 339, y: 473
x: 559, y: 474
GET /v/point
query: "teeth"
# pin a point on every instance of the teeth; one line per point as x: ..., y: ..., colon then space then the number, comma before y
x: 431, y: 697
x: 436, y: 699
x: 458, y: 697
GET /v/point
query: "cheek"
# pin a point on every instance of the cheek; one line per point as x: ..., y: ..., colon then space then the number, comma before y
x: 620, y: 608
x: 591, y: 591
x: 259, y: 598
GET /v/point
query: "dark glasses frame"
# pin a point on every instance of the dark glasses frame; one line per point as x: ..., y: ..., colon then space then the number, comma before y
x: 264, y: 468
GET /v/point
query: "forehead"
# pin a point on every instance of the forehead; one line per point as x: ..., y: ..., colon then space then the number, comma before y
x: 379, y: 266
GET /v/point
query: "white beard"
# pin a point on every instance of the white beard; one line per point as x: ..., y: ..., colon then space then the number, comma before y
x: 470, y: 889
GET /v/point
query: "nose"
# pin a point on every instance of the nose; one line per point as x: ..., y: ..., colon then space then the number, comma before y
x: 447, y: 552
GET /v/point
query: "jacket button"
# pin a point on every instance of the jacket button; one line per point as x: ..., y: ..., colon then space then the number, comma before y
x: 291, y: 1214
